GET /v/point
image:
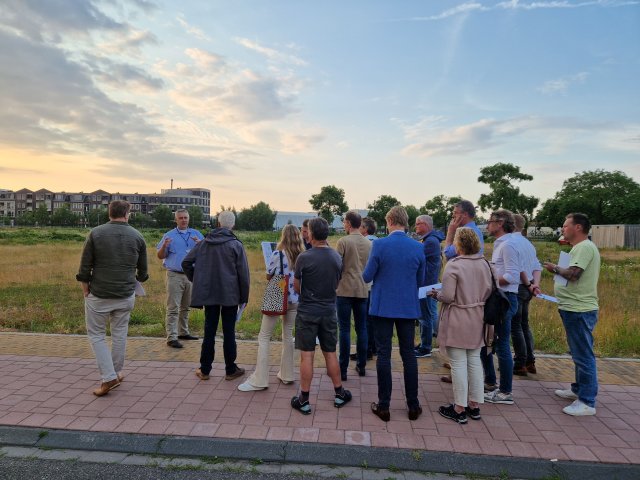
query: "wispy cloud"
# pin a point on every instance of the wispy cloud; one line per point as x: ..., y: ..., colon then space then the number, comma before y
x: 271, y: 53
x: 562, y: 84
x: 469, y: 7
x: 191, y: 30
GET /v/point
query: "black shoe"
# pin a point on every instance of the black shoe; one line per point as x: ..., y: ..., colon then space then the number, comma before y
x: 187, y: 337
x: 360, y: 371
x: 415, y: 412
x: 422, y: 352
x: 238, y: 373
x: 381, y: 413
x: 303, y: 407
x: 353, y: 356
x: 342, y: 399
x: 474, y: 413
x: 343, y: 377
x: 174, y: 344
x: 450, y: 413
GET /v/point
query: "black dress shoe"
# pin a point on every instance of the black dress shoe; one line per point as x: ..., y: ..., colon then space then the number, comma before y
x: 360, y: 371
x: 415, y: 412
x: 187, y: 337
x: 381, y: 413
x: 343, y: 377
x: 353, y: 356
x: 174, y: 344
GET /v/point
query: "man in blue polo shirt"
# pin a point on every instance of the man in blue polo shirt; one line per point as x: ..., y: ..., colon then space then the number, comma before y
x: 172, y: 248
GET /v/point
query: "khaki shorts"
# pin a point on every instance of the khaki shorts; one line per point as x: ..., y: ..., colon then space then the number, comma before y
x: 324, y: 327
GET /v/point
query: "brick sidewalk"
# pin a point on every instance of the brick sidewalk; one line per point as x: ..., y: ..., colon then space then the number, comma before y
x: 48, y: 379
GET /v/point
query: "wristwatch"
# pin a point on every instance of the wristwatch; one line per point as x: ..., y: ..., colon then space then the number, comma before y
x: 555, y: 269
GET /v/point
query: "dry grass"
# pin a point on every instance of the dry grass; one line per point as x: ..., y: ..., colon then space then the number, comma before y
x: 39, y: 293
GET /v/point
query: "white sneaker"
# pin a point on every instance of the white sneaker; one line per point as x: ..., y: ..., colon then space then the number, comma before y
x: 247, y: 387
x: 568, y: 394
x: 579, y: 409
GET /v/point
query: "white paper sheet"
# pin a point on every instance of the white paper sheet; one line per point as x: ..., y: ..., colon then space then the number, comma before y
x: 139, y: 290
x: 240, y: 310
x: 422, y: 291
x: 548, y: 298
x: 267, y: 249
x: 563, y: 262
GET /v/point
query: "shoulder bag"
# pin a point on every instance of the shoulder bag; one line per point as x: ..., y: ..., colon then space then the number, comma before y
x: 277, y: 293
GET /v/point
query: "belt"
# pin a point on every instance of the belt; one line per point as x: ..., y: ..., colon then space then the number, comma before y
x: 175, y: 271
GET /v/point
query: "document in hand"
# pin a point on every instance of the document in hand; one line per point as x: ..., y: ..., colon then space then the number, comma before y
x: 563, y: 262
x: 423, y: 291
x: 139, y: 290
x: 267, y: 249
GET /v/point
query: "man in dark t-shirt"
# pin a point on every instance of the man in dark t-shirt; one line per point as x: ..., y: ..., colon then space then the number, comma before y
x: 317, y: 273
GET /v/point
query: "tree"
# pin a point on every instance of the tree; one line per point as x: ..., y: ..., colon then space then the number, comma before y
x: 196, y: 216
x: 163, y: 216
x: 503, y: 194
x: 97, y: 216
x: 439, y: 208
x: 26, y: 219
x: 256, y: 217
x: 141, y: 220
x: 64, y: 217
x: 41, y: 215
x: 329, y: 202
x: 605, y: 197
x: 413, y: 213
x: 379, y: 208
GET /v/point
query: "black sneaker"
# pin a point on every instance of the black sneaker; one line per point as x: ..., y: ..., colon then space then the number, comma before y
x: 303, y: 407
x: 422, y: 352
x: 474, y: 413
x: 450, y: 413
x: 342, y: 399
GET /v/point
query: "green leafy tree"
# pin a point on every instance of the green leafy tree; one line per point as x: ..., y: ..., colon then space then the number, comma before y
x: 329, y: 202
x: 439, y: 208
x: 163, y: 216
x: 26, y: 219
x: 379, y: 208
x: 196, y: 217
x: 413, y: 213
x: 256, y: 217
x: 64, y: 217
x: 97, y: 216
x: 41, y: 215
x: 141, y: 220
x: 504, y: 194
x: 606, y: 197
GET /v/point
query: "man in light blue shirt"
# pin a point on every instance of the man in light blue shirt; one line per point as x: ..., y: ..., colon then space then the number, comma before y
x: 463, y: 214
x: 172, y: 248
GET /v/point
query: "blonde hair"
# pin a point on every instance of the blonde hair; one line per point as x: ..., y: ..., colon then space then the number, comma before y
x: 291, y: 244
x: 397, y: 216
x: 466, y: 241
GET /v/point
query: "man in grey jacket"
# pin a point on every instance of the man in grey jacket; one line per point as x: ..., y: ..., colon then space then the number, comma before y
x: 112, y: 254
x: 219, y: 270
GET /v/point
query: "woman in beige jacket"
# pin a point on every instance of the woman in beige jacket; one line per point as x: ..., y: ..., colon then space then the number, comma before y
x: 466, y: 284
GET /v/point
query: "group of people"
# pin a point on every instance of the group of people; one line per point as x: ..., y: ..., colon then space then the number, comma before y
x: 373, y: 280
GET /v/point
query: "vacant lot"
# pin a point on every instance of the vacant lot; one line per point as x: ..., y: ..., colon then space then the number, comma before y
x: 39, y: 293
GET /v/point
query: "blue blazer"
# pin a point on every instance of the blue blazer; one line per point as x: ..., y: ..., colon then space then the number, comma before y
x: 396, y: 266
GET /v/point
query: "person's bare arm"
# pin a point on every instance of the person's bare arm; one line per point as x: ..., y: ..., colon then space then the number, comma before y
x: 572, y: 273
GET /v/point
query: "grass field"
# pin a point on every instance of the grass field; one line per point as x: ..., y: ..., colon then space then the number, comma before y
x: 39, y: 293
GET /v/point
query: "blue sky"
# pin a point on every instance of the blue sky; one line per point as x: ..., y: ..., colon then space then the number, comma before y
x: 269, y: 101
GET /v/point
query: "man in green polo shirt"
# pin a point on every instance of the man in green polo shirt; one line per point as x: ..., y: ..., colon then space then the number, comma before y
x: 578, y: 308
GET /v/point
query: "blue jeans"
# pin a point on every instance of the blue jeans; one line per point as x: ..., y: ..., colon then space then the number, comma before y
x: 579, y: 327
x: 212, y: 315
x: 503, y: 349
x: 429, y: 318
x: 344, y: 306
x: 405, y: 330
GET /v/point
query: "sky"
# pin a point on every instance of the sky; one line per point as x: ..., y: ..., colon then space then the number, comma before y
x: 271, y: 100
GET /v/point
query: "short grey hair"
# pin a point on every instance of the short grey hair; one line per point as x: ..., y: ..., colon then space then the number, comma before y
x: 426, y: 219
x: 180, y: 210
x: 226, y: 219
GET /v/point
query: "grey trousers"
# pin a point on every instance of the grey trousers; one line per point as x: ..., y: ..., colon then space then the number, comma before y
x: 116, y: 312
x: 178, y: 300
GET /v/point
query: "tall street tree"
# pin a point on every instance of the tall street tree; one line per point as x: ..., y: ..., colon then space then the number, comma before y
x: 440, y: 208
x: 606, y: 197
x: 163, y: 216
x: 196, y: 217
x: 329, y: 202
x: 504, y: 194
x: 379, y: 208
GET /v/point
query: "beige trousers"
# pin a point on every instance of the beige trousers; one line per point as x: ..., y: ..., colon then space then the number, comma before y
x: 467, y: 375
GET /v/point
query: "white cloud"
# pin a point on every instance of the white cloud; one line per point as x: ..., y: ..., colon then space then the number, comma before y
x: 191, y: 30
x: 562, y: 84
x: 270, y: 53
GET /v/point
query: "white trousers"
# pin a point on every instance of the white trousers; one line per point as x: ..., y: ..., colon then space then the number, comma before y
x: 467, y: 375
x: 99, y: 312
x: 260, y: 376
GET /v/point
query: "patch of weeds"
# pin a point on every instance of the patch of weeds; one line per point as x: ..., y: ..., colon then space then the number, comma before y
x: 42, y: 434
x: 234, y: 469
x: 257, y: 461
x: 45, y: 448
x: 393, y: 469
x: 390, y: 478
x: 416, y: 455
x: 212, y: 460
x: 342, y: 475
x: 503, y: 475
x: 364, y: 464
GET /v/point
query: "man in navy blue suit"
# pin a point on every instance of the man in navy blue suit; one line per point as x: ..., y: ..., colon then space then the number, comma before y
x: 396, y: 266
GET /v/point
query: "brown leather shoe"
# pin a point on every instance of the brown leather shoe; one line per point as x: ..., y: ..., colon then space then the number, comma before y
x: 200, y: 375
x: 414, y: 413
x: 531, y: 368
x: 447, y: 365
x: 106, y: 387
x: 238, y: 373
x: 381, y: 413
x: 446, y: 379
x: 522, y: 371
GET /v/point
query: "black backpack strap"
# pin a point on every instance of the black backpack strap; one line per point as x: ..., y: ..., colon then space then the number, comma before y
x: 281, y: 265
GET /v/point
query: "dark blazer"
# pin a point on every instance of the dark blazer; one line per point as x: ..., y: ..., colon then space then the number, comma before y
x: 219, y: 270
x: 396, y: 266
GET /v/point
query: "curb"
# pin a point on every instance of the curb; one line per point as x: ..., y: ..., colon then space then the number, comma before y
x: 315, y: 453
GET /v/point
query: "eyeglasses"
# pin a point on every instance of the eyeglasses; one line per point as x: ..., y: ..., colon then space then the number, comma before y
x: 493, y: 221
x: 420, y: 223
